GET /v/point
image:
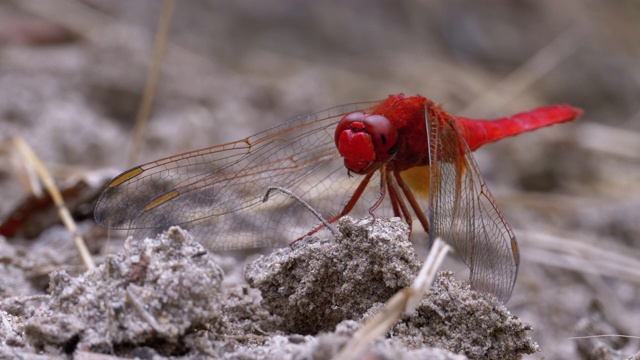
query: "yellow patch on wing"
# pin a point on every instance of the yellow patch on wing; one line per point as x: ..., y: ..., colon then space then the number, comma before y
x: 161, y: 199
x: 125, y: 176
x: 514, y: 248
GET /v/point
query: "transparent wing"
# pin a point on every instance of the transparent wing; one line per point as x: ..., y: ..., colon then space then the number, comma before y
x: 217, y: 192
x: 463, y: 212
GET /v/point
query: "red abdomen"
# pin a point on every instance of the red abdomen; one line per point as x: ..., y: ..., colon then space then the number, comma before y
x: 408, y: 116
x: 480, y: 132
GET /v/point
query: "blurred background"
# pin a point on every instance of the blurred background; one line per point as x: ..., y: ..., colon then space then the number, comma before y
x: 72, y: 74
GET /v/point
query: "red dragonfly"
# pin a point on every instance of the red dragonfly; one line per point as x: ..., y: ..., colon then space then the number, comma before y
x: 404, y: 151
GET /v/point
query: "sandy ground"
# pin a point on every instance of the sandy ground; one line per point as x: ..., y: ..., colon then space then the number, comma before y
x: 71, y: 75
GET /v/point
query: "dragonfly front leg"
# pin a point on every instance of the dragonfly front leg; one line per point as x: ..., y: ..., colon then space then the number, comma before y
x: 348, y: 207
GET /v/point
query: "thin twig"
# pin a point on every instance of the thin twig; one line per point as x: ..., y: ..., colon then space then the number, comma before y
x: 63, y: 211
x: 582, y: 257
x: 405, y: 300
x: 140, y: 308
x: 85, y: 20
x: 603, y: 336
x: 608, y: 140
x: 333, y: 230
x: 5, y: 322
x: 524, y: 76
x: 152, y: 79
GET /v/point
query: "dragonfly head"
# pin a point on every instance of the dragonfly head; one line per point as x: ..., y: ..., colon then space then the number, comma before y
x: 363, y: 140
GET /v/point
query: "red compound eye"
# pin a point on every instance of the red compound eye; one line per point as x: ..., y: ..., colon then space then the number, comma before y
x: 363, y: 140
x: 383, y: 135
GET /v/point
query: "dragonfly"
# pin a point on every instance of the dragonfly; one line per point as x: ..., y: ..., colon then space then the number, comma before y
x: 402, y: 156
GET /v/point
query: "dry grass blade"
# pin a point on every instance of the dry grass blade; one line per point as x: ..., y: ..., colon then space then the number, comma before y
x: 74, y: 15
x: 582, y: 257
x: 152, y: 79
x: 403, y: 301
x: 84, y: 20
x: 27, y: 176
x: 524, y: 76
x: 603, y: 336
x: 427, y: 273
x: 609, y: 140
x: 31, y: 158
x: 88, y: 355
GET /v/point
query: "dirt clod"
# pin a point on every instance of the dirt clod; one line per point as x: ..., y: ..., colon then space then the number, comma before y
x: 454, y: 317
x: 318, y: 284
x: 155, y: 291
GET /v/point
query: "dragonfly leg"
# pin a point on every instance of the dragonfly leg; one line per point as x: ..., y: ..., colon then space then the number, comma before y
x: 347, y: 208
x: 399, y: 207
x: 412, y: 201
x: 383, y: 192
x: 393, y: 194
